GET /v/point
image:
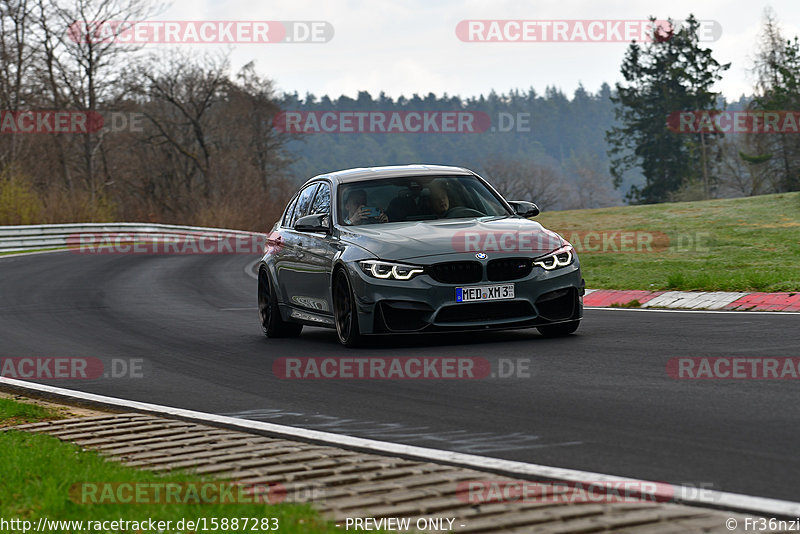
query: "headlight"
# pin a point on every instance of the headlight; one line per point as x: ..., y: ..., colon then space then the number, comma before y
x: 560, y: 258
x: 384, y: 270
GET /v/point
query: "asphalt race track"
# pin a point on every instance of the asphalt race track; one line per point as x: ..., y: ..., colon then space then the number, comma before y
x: 600, y: 400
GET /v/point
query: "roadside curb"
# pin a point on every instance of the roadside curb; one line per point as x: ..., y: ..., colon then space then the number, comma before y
x: 693, y: 300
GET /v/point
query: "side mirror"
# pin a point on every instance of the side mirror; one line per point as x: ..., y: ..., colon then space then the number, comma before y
x: 524, y: 208
x: 313, y: 223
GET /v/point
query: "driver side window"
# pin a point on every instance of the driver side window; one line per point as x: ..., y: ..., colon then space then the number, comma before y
x: 287, y: 217
x: 322, y: 202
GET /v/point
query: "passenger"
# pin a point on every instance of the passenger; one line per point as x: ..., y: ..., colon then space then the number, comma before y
x: 357, y: 213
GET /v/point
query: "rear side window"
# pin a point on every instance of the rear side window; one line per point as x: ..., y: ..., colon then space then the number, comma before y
x: 303, y: 203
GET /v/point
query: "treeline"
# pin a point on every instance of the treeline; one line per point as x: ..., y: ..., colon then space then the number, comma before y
x: 178, y: 137
x: 547, y: 147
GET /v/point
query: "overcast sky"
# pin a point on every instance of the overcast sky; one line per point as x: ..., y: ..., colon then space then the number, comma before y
x: 406, y: 47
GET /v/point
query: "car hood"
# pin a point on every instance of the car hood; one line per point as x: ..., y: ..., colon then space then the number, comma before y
x: 409, y: 240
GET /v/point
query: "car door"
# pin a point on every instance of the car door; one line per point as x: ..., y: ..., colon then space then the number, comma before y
x: 314, y: 280
x: 274, y: 244
x: 291, y: 261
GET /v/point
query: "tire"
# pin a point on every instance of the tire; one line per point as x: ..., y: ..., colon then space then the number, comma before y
x: 344, y: 311
x: 558, y: 330
x: 269, y: 315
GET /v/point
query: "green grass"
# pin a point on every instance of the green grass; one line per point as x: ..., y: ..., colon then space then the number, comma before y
x: 632, y: 304
x: 745, y: 244
x: 18, y: 413
x: 41, y: 475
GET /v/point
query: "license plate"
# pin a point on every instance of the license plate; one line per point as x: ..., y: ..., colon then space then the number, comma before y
x: 478, y: 293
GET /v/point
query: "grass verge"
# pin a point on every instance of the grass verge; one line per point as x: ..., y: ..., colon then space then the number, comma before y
x: 42, y: 476
x: 742, y: 244
x: 18, y: 413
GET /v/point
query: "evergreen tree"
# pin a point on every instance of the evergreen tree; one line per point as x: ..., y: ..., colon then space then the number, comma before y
x: 669, y: 74
x: 777, y: 68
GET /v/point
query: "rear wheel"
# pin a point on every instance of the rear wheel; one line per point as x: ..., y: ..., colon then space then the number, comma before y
x: 558, y: 330
x: 268, y: 313
x: 344, y: 311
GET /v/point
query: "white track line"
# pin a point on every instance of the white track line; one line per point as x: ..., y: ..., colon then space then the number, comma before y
x: 248, y: 270
x: 658, y: 310
x: 682, y: 494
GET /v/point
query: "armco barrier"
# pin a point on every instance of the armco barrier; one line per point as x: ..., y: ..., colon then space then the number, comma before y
x: 46, y: 236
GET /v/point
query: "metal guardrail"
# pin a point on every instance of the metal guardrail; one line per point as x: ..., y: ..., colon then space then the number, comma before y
x: 44, y: 236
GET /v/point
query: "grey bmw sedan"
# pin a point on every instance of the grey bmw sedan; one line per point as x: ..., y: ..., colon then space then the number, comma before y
x: 413, y: 249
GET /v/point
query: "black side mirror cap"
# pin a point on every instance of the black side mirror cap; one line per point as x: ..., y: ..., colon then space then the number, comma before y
x: 313, y: 223
x: 523, y: 208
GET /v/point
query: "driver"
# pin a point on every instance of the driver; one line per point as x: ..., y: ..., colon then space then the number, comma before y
x: 440, y: 202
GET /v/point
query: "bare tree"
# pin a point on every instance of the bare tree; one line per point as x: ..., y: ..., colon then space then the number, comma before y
x: 208, y: 149
x: 592, y: 185
x: 181, y: 96
x: 740, y: 171
x: 527, y: 180
x: 16, y: 61
x: 84, y: 70
x: 254, y: 103
x: 207, y: 152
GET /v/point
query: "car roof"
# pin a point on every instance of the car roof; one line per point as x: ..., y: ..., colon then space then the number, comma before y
x: 391, y: 171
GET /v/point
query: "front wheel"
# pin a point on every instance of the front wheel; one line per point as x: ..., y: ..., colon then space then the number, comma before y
x: 268, y: 313
x: 344, y: 311
x: 558, y: 330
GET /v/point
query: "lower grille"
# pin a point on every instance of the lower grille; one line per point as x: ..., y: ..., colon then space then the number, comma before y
x: 401, y: 316
x: 457, y: 272
x: 485, y: 310
x: 557, y: 305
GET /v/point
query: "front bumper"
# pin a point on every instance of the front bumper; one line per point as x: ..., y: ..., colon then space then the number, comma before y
x: 424, y: 304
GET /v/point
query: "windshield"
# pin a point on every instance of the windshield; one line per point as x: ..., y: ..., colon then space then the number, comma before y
x: 415, y: 198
